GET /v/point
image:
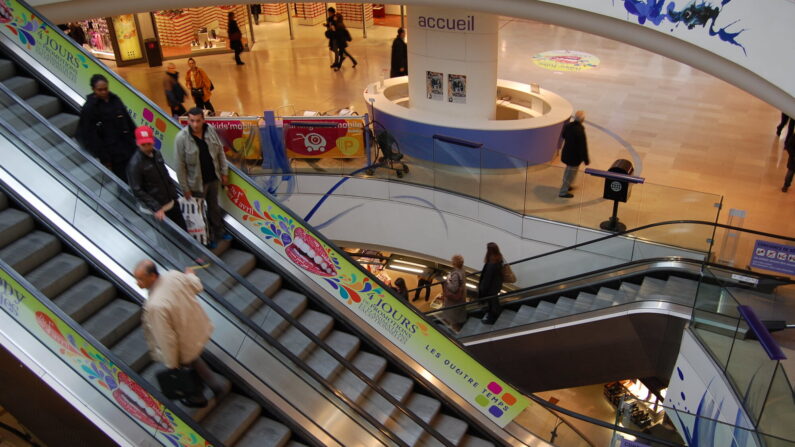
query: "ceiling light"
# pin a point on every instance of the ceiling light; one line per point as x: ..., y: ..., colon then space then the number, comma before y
x: 409, y: 263
x: 406, y: 269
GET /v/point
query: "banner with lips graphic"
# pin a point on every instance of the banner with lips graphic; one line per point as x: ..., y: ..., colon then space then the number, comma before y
x: 99, y: 371
x: 387, y: 314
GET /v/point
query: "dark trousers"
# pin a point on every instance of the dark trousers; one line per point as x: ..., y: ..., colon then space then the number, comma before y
x: 256, y: 19
x: 423, y: 284
x: 178, y: 110
x: 494, y: 309
x: 784, y: 120
x: 237, y: 55
x: 339, y: 56
x: 214, y: 214
x: 176, y: 216
x: 202, y: 104
x: 788, y: 177
x: 118, y: 166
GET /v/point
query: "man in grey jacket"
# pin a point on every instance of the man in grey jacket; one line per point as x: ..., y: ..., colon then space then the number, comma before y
x: 202, y: 168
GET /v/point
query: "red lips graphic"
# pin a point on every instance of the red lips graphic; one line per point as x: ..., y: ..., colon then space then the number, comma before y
x: 49, y: 326
x: 306, y: 252
x: 136, y: 401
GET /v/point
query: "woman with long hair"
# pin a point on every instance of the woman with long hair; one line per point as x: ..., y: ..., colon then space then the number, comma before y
x: 490, y: 282
x: 341, y: 39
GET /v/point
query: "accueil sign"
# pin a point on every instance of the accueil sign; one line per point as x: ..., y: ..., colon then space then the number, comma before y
x: 446, y: 23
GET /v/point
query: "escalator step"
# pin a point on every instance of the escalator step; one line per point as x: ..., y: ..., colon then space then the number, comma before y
x: 472, y: 326
x: 451, y: 428
x: 627, y: 293
x: 424, y: 408
x: 396, y: 385
x: 295, y: 444
x: 323, y: 363
x: 58, y: 274
x: 67, y: 122
x: 562, y: 307
x: 86, y: 298
x: 45, y: 105
x: 240, y: 261
x: 197, y: 414
x: 504, y: 320
x: 681, y: 290
x: 584, y: 302
x: 273, y: 323
x: 473, y: 441
x: 7, y: 69
x: 370, y: 365
x: 299, y: 344
x: 265, y: 432
x: 543, y: 311
x: 231, y: 418
x: 13, y: 224
x: 30, y: 251
x: 651, y: 288
x: 605, y: 297
x: 133, y: 350
x: 24, y: 87
x: 524, y: 315
x: 114, y: 321
x: 244, y: 300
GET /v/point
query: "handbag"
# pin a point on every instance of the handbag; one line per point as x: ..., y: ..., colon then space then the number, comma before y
x: 508, y: 277
x: 194, y: 211
x: 451, y: 298
x: 180, y: 382
x: 197, y: 92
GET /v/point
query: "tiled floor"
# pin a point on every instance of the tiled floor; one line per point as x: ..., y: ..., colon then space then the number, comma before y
x: 690, y: 130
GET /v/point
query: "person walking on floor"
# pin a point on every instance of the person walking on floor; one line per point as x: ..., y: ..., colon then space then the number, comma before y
x: 789, y: 146
x: 329, y: 24
x: 105, y: 128
x: 400, y: 57
x: 175, y: 94
x: 176, y: 328
x: 424, y: 283
x: 149, y: 179
x: 454, y: 292
x: 256, y: 10
x: 490, y: 282
x: 575, y: 151
x: 341, y: 39
x: 785, y: 119
x: 235, y: 38
x: 401, y: 291
x: 202, y: 169
x: 200, y: 86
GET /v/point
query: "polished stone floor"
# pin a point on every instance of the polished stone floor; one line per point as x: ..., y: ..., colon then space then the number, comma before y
x: 688, y: 129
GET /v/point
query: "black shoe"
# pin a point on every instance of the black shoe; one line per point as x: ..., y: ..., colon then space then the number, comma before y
x: 355, y: 64
x: 784, y: 188
x: 488, y: 319
x: 194, y: 402
x: 568, y: 195
x: 241, y: 63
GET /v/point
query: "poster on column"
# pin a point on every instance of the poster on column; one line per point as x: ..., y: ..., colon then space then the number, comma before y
x: 434, y: 85
x: 457, y: 89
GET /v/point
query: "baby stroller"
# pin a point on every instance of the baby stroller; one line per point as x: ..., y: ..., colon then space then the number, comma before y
x: 389, y: 148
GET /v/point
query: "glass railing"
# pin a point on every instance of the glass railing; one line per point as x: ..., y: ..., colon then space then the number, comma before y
x: 489, y: 175
x: 101, y: 210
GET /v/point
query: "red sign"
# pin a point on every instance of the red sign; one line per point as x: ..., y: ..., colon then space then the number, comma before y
x: 324, y: 137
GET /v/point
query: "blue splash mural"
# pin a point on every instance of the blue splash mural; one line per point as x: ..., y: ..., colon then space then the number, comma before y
x: 694, y: 13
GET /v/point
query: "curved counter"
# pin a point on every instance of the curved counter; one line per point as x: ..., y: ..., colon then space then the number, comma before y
x: 526, y: 129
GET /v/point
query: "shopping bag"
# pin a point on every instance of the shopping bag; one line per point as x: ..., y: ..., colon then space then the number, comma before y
x: 508, y: 276
x: 194, y: 211
x: 180, y: 382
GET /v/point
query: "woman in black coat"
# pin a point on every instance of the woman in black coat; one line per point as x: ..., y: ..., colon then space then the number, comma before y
x: 235, y: 38
x: 490, y: 282
x: 105, y: 128
x: 341, y: 39
x: 400, y: 58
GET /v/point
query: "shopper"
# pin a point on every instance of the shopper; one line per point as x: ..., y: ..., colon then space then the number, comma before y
x: 455, y: 293
x: 200, y: 86
x: 256, y: 10
x: 105, y: 128
x: 424, y: 283
x: 789, y: 146
x: 341, y: 39
x: 76, y: 32
x: 330, y: 13
x: 149, y: 179
x: 401, y: 291
x: 575, y: 151
x: 790, y: 128
x: 490, y: 282
x: 176, y: 327
x: 202, y: 169
x: 175, y: 94
x: 235, y: 38
x: 400, y: 61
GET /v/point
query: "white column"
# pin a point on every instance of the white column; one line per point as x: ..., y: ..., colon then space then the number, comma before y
x: 453, y: 42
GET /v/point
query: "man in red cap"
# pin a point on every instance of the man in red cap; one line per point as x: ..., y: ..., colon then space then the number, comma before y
x: 149, y: 180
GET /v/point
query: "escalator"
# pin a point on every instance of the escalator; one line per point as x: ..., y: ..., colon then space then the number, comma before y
x: 111, y: 315
x: 383, y: 392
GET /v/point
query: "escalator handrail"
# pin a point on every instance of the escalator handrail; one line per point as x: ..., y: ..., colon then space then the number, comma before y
x: 186, y: 239
x: 102, y: 349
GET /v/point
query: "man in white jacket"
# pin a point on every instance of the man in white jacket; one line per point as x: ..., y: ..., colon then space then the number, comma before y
x: 175, y: 325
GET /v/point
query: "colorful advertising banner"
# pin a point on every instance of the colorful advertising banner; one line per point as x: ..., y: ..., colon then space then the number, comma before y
x: 127, y: 37
x: 99, y: 371
x: 774, y: 257
x: 69, y: 63
x: 378, y: 307
x: 326, y: 137
x: 240, y: 136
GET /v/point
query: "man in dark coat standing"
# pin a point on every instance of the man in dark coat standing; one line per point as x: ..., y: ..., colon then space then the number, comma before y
x: 149, y: 179
x: 575, y: 151
x: 400, y: 56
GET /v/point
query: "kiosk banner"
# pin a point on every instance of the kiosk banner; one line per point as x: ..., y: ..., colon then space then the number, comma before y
x: 240, y: 135
x: 326, y: 137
